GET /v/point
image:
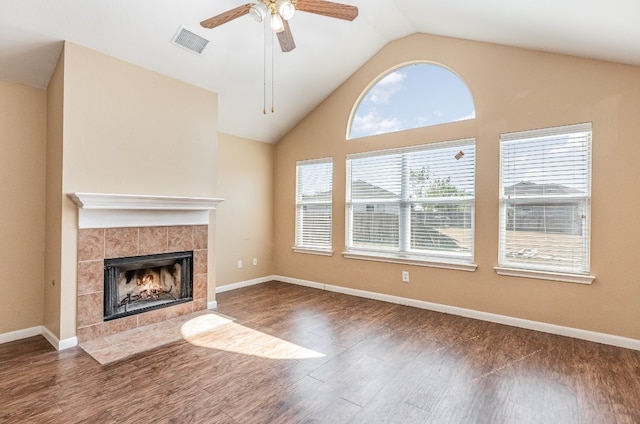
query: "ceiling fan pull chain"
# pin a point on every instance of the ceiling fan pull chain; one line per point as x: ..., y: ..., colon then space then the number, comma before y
x: 272, y: 74
x: 264, y: 70
x: 275, y: 14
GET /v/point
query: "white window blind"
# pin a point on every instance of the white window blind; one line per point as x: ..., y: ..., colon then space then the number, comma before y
x: 414, y: 202
x: 545, y: 197
x: 314, y: 192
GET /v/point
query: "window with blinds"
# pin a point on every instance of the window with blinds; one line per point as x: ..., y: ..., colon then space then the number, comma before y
x: 415, y: 202
x: 545, y: 192
x: 314, y: 191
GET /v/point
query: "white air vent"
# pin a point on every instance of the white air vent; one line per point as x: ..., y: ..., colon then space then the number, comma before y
x: 190, y: 41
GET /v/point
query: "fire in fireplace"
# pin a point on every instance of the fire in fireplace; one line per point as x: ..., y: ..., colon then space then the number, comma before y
x: 142, y: 283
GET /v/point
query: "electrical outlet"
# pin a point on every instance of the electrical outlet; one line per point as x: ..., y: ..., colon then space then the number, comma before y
x: 255, y: 261
x: 240, y: 264
x: 405, y: 276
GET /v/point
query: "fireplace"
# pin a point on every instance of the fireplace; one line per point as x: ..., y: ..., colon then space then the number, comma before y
x: 143, y: 283
x: 113, y: 227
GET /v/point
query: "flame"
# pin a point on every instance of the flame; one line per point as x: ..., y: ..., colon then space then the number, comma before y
x: 148, y: 287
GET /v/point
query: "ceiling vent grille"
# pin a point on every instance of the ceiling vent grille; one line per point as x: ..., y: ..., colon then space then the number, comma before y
x: 190, y: 41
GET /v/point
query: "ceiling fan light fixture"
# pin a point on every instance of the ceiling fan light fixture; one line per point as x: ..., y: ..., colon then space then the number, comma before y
x: 276, y: 23
x: 258, y: 11
x: 286, y: 9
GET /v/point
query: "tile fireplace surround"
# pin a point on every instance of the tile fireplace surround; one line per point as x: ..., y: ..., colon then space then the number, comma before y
x: 121, y: 225
x: 97, y: 244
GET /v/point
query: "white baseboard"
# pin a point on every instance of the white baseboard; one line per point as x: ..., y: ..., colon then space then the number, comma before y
x: 39, y: 330
x: 57, y: 343
x: 20, y: 334
x: 67, y: 343
x: 299, y: 282
x: 576, y: 333
x: 241, y: 284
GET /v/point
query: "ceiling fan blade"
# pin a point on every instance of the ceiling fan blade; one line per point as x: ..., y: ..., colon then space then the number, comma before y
x: 227, y: 16
x: 328, y: 8
x: 286, y: 38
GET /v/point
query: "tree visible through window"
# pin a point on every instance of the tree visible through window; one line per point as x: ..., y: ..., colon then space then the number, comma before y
x: 415, y: 202
x: 413, y: 96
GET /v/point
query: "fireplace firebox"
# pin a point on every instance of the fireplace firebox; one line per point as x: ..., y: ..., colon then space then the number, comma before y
x: 142, y: 283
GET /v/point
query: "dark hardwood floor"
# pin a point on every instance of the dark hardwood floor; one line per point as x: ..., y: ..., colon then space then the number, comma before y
x: 292, y: 354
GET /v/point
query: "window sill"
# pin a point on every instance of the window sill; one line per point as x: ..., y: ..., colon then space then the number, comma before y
x: 545, y: 275
x: 410, y: 260
x: 310, y: 251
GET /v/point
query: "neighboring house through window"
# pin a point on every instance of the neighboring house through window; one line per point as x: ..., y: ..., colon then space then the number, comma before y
x: 413, y: 204
x: 545, y: 194
x: 314, y: 193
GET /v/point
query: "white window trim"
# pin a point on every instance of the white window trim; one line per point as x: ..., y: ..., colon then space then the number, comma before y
x: 459, y: 82
x: 409, y: 260
x: 545, y: 275
x: 308, y: 249
x: 552, y: 275
x: 448, y: 261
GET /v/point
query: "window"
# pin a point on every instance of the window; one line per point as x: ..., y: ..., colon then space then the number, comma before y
x: 412, y: 96
x: 314, y: 191
x: 545, y: 192
x: 413, y: 205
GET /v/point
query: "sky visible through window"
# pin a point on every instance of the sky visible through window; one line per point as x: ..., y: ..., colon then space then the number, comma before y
x: 413, y: 96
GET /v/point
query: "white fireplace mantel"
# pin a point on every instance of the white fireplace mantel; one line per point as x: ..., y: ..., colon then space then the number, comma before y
x: 105, y: 210
x: 142, y: 202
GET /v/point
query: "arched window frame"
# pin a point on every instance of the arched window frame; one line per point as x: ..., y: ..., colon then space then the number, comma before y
x: 382, y: 76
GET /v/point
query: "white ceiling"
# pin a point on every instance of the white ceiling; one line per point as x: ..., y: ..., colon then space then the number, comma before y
x: 328, y: 50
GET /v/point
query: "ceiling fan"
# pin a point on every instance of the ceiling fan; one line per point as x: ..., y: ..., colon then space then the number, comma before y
x: 281, y: 11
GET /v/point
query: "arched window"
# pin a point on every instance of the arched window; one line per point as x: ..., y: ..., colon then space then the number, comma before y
x: 412, y: 96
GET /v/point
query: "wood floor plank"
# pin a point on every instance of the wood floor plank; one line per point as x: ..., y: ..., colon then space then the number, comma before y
x: 23, y: 349
x: 292, y: 354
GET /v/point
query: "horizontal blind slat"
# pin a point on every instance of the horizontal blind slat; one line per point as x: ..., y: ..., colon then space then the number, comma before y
x: 314, y: 196
x: 545, y: 186
x: 416, y: 200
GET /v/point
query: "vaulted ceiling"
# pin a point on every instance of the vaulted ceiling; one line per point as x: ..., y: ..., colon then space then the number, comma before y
x: 328, y: 50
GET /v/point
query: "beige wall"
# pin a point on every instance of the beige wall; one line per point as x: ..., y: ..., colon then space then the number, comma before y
x: 126, y: 130
x: 514, y: 89
x: 54, y: 199
x: 245, y: 218
x: 22, y: 173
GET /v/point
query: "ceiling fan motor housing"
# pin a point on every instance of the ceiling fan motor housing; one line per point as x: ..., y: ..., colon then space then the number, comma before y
x: 281, y: 12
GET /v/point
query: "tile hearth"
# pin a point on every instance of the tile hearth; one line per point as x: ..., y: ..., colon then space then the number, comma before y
x: 119, y: 346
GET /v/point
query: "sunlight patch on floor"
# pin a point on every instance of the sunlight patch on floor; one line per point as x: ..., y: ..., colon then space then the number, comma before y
x: 217, y: 332
x: 203, y: 323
